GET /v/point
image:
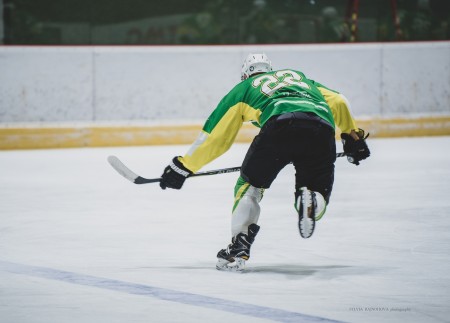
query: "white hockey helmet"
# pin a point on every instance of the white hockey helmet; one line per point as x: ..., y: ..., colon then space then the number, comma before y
x: 255, y: 63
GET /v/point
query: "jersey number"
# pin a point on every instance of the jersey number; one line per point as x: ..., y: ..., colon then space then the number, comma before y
x: 270, y: 83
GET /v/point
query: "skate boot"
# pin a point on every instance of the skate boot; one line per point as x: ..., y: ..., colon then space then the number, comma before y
x: 306, y: 205
x: 234, y: 256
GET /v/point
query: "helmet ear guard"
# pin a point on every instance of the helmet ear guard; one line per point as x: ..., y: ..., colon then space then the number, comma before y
x: 255, y: 63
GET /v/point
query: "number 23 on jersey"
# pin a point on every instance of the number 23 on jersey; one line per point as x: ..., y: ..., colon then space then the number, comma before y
x: 270, y: 83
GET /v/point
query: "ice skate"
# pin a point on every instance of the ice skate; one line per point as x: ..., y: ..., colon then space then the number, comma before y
x: 306, y: 205
x: 233, y: 258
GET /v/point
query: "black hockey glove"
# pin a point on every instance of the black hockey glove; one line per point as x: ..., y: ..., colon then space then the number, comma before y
x: 356, y: 150
x: 174, y: 175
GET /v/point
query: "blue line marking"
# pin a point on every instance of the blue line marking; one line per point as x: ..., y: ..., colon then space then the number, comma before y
x: 161, y: 293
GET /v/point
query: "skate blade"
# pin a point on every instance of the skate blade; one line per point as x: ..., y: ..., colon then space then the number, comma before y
x: 238, y: 265
x: 307, y: 221
x: 306, y: 227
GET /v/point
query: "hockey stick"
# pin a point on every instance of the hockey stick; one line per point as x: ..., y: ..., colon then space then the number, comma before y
x: 136, y: 179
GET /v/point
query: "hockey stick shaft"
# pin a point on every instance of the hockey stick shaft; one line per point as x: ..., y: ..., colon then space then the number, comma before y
x: 136, y: 179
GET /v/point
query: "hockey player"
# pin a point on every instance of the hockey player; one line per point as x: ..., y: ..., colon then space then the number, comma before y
x: 297, y: 117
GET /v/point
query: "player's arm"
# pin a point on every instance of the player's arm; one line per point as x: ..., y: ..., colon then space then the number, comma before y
x: 353, y: 138
x: 218, y: 133
x: 340, y: 109
x: 216, y: 137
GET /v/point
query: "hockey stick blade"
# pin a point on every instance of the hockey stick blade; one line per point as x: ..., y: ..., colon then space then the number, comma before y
x: 129, y: 174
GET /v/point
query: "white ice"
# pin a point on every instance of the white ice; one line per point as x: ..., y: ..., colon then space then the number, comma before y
x: 79, y: 243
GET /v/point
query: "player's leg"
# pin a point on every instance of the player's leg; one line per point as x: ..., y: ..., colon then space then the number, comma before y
x: 268, y: 154
x: 261, y: 165
x: 244, y: 226
x: 246, y: 207
x: 310, y: 206
x: 314, y: 178
x: 265, y: 158
x: 321, y: 187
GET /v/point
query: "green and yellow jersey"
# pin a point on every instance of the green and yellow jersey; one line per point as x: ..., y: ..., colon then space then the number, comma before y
x: 256, y: 100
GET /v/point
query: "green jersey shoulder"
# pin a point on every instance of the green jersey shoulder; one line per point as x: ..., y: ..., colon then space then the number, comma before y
x: 273, y: 93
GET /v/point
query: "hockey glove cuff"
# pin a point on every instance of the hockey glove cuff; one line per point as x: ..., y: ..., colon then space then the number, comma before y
x: 174, y: 175
x: 356, y: 150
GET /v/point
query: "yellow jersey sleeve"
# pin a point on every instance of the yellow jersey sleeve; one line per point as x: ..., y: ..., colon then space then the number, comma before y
x: 340, y: 109
x: 215, y: 140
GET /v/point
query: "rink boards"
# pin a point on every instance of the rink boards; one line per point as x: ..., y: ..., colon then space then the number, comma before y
x: 83, y: 135
x: 97, y: 96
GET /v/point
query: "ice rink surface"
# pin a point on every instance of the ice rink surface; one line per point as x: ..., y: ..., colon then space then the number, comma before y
x: 79, y: 243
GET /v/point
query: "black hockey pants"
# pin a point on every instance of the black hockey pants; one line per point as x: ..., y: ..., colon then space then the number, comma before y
x: 301, y: 138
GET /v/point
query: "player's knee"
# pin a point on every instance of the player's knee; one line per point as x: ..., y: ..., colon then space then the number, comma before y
x: 244, y: 189
x: 246, y: 207
x: 246, y: 196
